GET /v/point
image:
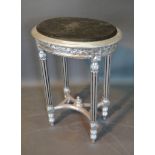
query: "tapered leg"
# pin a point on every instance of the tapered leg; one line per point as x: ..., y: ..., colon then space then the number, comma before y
x: 50, y: 107
x: 106, y: 85
x: 66, y: 78
x: 94, y: 78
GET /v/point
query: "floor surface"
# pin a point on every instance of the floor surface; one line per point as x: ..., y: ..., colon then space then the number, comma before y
x: 70, y: 135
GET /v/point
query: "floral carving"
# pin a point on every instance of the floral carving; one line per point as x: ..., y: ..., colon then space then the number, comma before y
x: 81, y: 53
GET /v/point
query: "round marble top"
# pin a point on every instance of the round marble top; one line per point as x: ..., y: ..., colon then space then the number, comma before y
x: 75, y: 32
x: 76, y: 29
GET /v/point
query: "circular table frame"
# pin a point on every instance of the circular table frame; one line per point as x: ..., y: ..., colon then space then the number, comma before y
x: 79, y: 50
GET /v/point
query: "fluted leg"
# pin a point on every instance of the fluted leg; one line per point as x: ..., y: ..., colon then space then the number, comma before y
x: 66, y: 78
x: 94, y: 78
x: 50, y: 107
x: 106, y: 85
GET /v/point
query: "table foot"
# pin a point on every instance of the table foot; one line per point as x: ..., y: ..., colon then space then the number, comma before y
x: 93, y: 131
x: 105, y: 108
x: 51, y: 118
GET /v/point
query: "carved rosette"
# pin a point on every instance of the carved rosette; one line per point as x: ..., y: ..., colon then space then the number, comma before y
x: 79, y: 53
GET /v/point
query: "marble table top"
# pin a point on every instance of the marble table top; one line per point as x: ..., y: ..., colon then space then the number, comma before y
x: 76, y: 29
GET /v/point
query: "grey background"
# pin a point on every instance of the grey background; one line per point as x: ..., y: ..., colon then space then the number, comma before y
x: 117, y: 12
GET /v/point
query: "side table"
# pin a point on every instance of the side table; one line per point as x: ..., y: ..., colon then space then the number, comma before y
x: 77, y: 38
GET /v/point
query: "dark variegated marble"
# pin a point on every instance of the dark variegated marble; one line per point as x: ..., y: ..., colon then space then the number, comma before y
x: 76, y: 29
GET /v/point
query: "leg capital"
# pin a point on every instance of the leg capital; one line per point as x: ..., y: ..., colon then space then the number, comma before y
x: 42, y: 55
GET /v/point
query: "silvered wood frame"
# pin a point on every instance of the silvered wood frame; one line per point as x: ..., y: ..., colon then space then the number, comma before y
x: 95, y: 55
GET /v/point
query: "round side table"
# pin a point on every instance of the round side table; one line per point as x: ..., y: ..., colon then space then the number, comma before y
x: 78, y: 38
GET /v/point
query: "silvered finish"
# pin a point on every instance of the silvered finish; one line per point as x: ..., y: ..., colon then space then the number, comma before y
x: 79, y: 50
x: 79, y: 53
x: 43, y: 61
x: 78, y: 102
x: 51, y: 118
x: 106, y: 85
x: 66, y: 77
x: 94, y: 75
x: 74, y: 106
